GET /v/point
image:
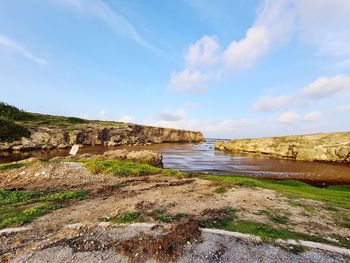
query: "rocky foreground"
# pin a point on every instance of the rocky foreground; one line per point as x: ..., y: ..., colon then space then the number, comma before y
x: 117, y: 208
x: 331, y: 147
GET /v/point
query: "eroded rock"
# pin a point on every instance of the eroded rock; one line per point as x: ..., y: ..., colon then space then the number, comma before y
x: 334, y: 147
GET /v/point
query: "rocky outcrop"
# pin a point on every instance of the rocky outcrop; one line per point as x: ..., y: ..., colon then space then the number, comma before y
x: 144, y: 156
x: 333, y: 147
x: 91, y: 135
x: 153, y: 158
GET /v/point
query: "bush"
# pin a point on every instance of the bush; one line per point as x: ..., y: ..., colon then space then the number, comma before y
x: 10, y: 131
x: 76, y: 120
x: 8, y: 112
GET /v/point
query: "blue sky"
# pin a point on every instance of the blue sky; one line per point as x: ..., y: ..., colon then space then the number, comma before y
x: 232, y: 69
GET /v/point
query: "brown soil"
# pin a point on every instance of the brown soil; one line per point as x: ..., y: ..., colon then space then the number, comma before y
x: 164, y: 248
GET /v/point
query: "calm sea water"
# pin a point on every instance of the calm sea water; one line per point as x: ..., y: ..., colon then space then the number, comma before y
x: 203, y: 158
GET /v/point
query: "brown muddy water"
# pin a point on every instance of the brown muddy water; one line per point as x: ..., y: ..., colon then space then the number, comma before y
x: 204, y: 158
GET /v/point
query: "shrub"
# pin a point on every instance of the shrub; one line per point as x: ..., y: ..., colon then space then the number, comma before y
x: 10, y: 131
x: 8, y: 112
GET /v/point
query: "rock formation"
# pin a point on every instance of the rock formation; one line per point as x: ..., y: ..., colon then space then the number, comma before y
x: 334, y: 147
x: 91, y: 135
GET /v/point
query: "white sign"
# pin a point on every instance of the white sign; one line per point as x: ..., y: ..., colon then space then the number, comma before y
x: 74, y: 150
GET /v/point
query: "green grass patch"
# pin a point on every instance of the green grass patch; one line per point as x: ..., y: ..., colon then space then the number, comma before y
x: 338, y: 196
x: 280, y: 219
x: 5, y: 167
x: 120, y: 168
x: 19, y: 207
x: 13, y: 197
x: 127, y: 218
x: 220, y: 190
x: 267, y: 232
x: 15, y: 216
x: 162, y: 216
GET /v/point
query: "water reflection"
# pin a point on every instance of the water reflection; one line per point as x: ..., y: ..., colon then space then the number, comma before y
x: 203, y: 158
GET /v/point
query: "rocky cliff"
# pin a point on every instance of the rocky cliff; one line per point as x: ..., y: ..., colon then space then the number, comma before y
x: 334, y: 147
x: 92, y: 134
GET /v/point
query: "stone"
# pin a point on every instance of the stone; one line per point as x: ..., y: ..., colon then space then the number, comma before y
x: 144, y: 156
x: 332, y: 147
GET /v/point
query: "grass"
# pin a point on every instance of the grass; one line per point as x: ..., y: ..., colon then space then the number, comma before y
x: 120, y: 168
x: 280, y: 219
x: 266, y: 232
x: 220, y: 190
x: 162, y: 216
x: 336, y: 196
x: 20, y: 207
x: 127, y: 218
x: 5, y: 167
x: 15, y: 216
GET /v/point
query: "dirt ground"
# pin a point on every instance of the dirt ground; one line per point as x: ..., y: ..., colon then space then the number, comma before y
x: 73, y: 231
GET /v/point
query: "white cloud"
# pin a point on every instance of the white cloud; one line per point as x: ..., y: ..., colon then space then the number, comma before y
x: 269, y: 103
x: 248, y: 51
x: 271, y: 28
x: 103, y: 114
x: 326, y: 26
x: 203, y: 53
x: 226, y: 128
x: 169, y: 116
x: 13, y: 45
x: 321, y: 88
x: 84, y: 115
x: 188, y: 81
x: 117, y: 22
x: 327, y: 86
x: 312, y: 116
x: 126, y: 118
x: 342, y: 108
x: 290, y: 117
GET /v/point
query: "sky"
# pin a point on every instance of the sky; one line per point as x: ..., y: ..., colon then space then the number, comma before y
x: 231, y: 69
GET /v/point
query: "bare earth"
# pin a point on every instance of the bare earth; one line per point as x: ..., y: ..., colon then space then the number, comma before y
x: 76, y: 234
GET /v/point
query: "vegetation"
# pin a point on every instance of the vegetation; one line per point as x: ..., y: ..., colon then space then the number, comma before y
x: 127, y: 218
x: 280, y: 219
x: 336, y: 196
x: 227, y: 220
x: 20, y: 207
x: 120, y: 167
x: 17, y: 215
x: 5, y: 167
x: 10, y: 131
x: 8, y: 112
x: 15, y: 123
x: 220, y: 190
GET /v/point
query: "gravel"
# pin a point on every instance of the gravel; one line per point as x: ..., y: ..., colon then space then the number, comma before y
x: 212, y: 247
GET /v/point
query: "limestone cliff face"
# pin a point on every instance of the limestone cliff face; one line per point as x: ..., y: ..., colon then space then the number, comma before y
x: 334, y: 147
x: 91, y: 135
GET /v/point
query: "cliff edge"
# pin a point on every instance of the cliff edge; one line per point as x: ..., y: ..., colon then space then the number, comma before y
x: 332, y: 147
x: 21, y: 131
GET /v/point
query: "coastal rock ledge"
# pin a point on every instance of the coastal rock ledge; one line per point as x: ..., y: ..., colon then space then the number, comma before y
x: 42, y: 138
x: 332, y: 147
